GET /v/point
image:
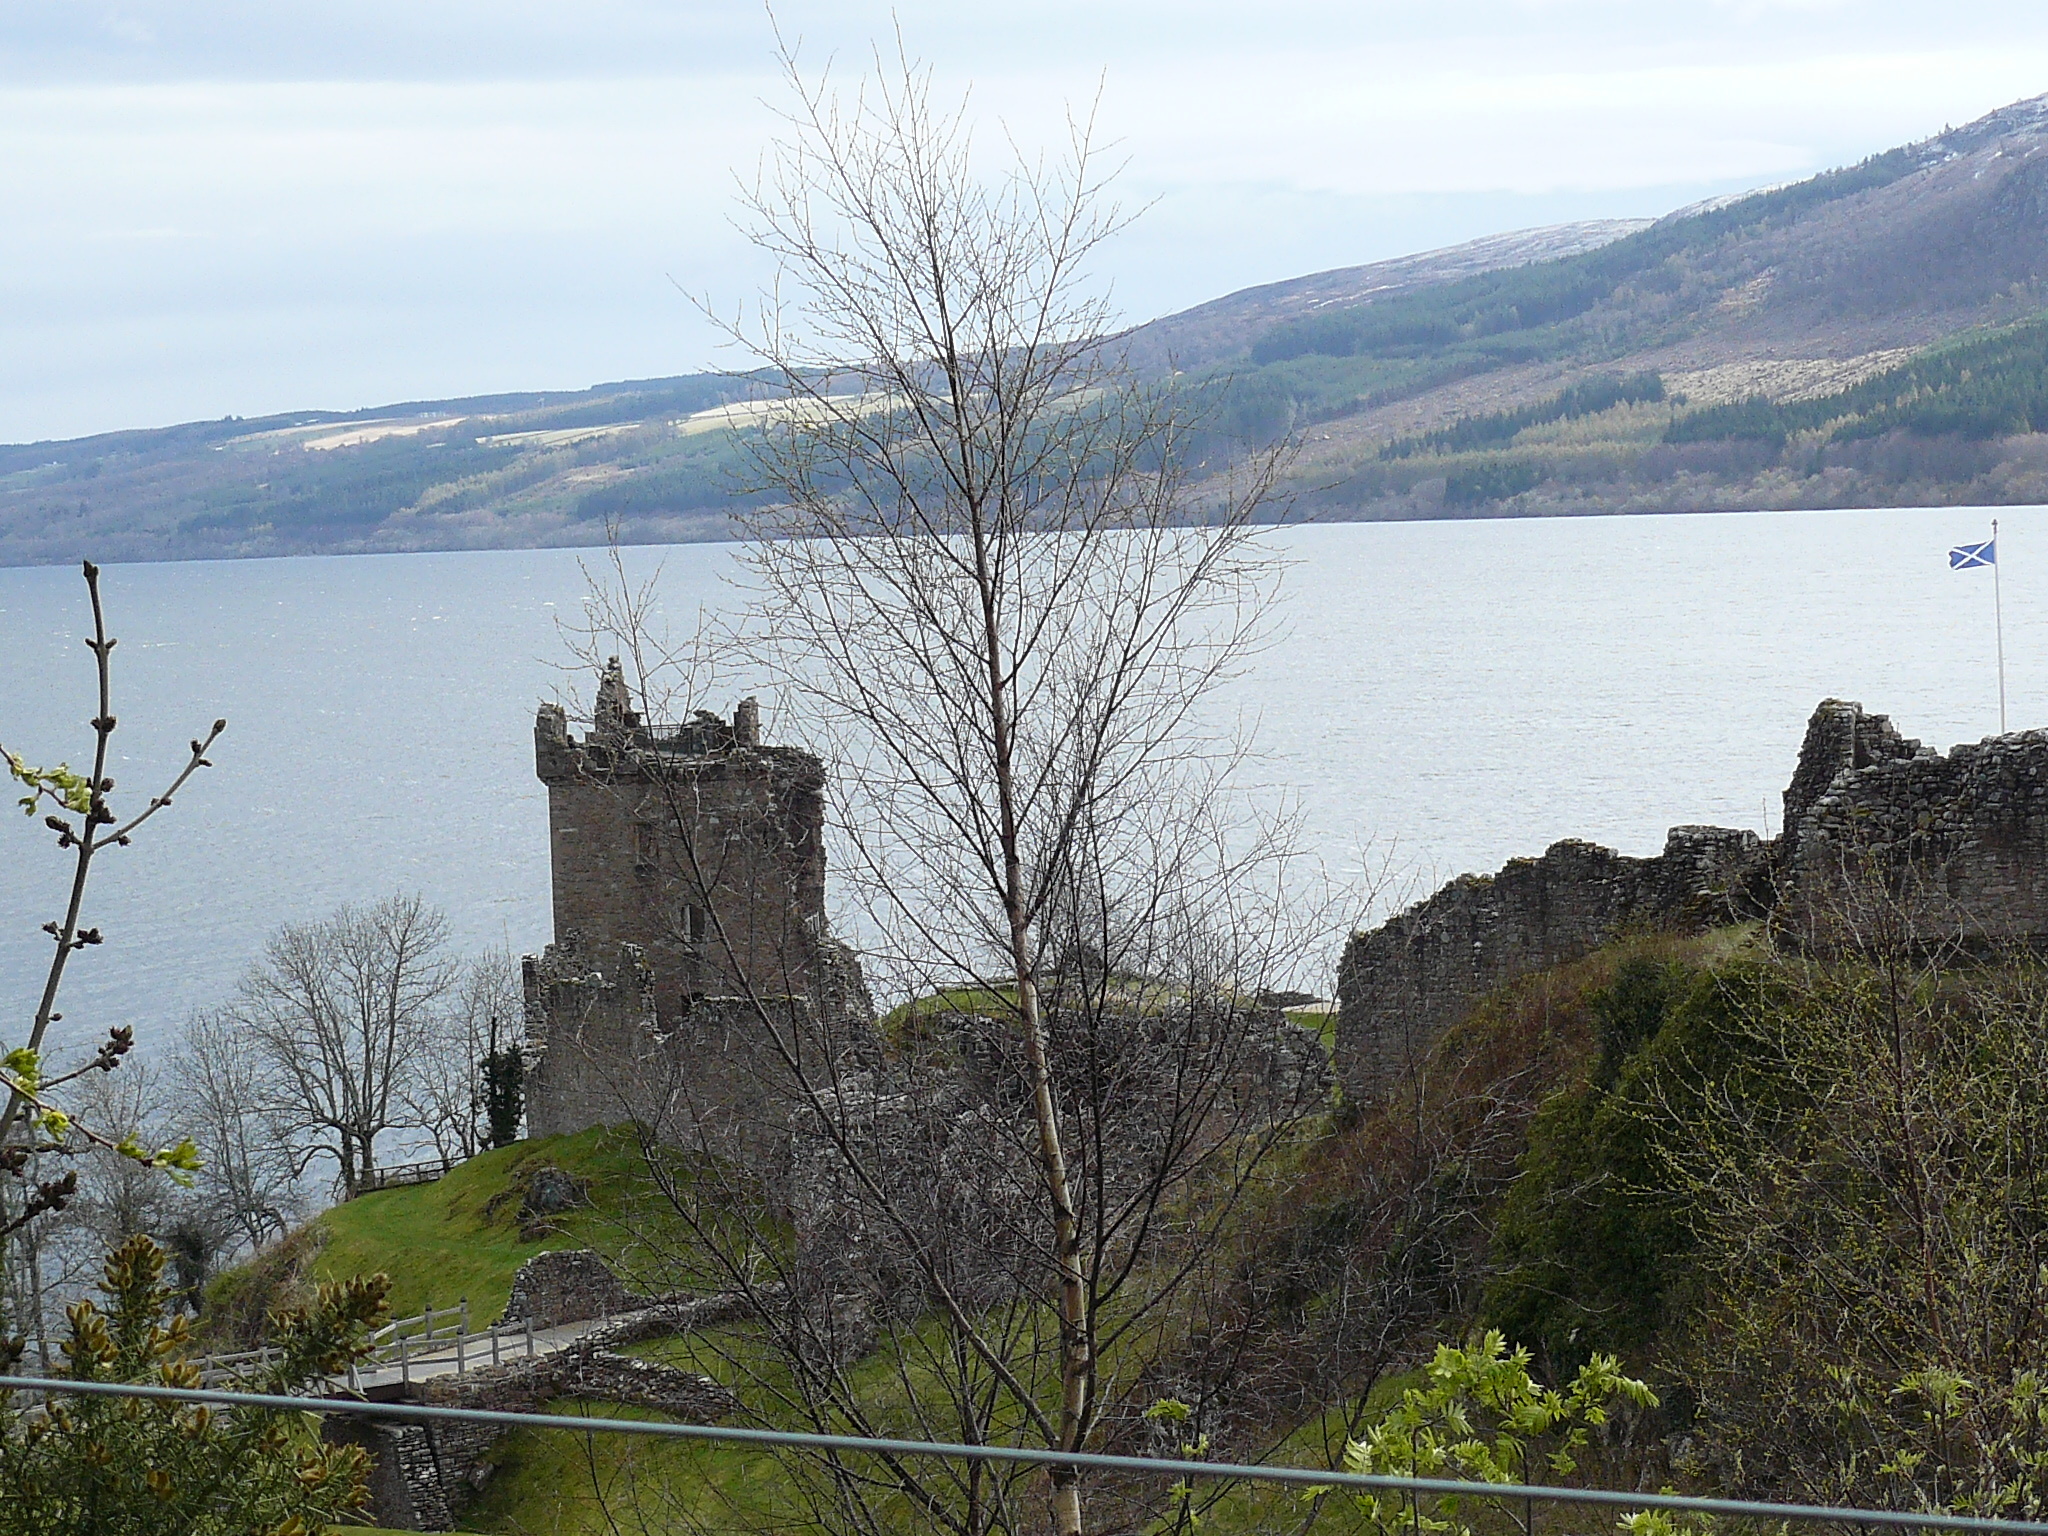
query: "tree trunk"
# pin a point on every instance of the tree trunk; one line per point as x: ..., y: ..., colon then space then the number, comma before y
x: 1077, y: 1364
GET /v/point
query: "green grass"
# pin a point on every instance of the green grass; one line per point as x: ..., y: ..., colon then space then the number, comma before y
x: 905, y: 1018
x: 456, y: 1239
x: 1322, y: 1021
x: 570, y: 1484
x: 579, y: 1484
x: 459, y: 1236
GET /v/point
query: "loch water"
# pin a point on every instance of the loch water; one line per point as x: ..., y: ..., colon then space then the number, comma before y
x: 1440, y: 697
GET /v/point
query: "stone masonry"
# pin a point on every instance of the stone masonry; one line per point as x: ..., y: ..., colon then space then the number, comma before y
x: 700, y: 846
x: 567, y: 1285
x: 689, y: 905
x: 423, y: 1474
x: 1959, y: 844
x: 1402, y: 985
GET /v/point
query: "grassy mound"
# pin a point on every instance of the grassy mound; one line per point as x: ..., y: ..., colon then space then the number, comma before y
x: 462, y: 1237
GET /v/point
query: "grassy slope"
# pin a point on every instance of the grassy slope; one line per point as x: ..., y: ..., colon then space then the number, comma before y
x: 595, y: 1486
x: 456, y: 1239
x: 444, y: 1240
x: 578, y: 1485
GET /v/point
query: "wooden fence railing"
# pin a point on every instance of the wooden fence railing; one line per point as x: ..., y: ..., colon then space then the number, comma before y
x: 403, y: 1174
x: 428, y: 1342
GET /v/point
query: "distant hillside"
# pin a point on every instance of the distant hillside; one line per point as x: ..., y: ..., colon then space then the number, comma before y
x: 497, y: 471
x: 1830, y: 290
x: 1870, y: 336
x: 1226, y: 328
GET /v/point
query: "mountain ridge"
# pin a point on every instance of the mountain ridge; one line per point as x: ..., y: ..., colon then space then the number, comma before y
x: 1836, y: 293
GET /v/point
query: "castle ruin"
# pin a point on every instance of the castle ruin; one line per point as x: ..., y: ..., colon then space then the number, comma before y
x: 1956, y: 845
x: 692, y: 959
x: 689, y: 898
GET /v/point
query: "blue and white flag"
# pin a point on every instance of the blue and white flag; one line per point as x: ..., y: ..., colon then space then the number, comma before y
x: 1967, y: 557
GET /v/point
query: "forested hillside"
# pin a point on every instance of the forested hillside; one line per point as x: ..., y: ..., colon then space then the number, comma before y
x: 1870, y: 336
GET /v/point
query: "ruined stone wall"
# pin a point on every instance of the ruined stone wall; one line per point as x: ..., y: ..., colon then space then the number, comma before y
x: 713, y: 1075
x: 567, y: 1285
x: 1402, y: 985
x: 945, y: 1128
x: 1955, y: 846
x: 1878, y: 830
x: 1839, y: 737
x: 590, y: 1030
x: 424, y: 1474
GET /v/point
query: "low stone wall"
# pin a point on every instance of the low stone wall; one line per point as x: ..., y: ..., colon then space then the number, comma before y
x: 424, y: 1474
x: 1402, y: 985
x: 946, y: 1132
x: 569, y: 1285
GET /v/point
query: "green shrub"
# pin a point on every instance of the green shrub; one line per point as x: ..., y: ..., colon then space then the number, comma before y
x: 92, y: 1465
x: 1592, y: 1241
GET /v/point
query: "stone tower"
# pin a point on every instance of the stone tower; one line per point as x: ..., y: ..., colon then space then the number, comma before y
x: 700, y: 846
x: 689, y: 894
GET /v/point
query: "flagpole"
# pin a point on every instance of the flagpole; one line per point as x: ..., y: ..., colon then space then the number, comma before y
x: 1998, y: 621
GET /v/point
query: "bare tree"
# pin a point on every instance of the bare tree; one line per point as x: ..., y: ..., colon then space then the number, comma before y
x: 119, y: 1198
x: 995, y: 599
x: 341, y: 1013
x: 246, y: 1170
x: 904, y: 1233
x: 447, y: 1096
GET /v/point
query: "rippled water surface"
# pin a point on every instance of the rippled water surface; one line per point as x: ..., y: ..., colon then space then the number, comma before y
x: 1461, y: 692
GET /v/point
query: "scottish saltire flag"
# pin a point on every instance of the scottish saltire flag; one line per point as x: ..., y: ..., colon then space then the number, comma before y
x: 1966, y: 557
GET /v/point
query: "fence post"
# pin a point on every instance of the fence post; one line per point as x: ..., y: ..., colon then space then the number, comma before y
x: 461, y: 1336
x: 494, y: 1343
x: 404, y: 1360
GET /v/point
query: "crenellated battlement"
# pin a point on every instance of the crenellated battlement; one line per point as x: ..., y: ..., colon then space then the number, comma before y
x: 618, y: 741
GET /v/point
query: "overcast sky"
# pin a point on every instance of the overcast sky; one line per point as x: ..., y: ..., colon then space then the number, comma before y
x: 241, y: 206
